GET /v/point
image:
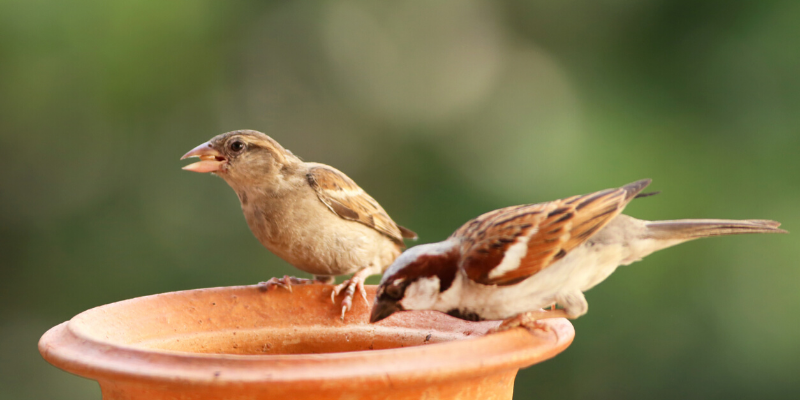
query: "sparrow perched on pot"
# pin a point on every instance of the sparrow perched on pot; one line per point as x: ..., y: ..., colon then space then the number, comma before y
x: 510, y: 263
x: 311, y: 215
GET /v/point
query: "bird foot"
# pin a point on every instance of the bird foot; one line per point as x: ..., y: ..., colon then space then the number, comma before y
x: 349, y: 287
x: 286, y: 282
x: 531, y: 320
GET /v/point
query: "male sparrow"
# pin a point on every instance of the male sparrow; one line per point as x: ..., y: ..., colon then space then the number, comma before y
x: 510, y: 263
x: 311, y: 215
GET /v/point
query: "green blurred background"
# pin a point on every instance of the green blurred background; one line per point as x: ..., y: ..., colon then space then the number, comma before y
x: 441, y: 110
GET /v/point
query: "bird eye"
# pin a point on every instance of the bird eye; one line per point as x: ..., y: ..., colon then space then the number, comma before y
x: 394, y: 291
x: 236, y: 146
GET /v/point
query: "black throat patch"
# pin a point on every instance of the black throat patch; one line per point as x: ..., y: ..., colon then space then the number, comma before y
x: 465, y: 315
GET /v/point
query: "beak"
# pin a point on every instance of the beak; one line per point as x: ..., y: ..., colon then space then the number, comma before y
x: 211, y: 159
x: 382, y: 309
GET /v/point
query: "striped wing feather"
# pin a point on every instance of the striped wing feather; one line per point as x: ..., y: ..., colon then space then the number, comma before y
x: 551, y: 229
x: 347, y: 200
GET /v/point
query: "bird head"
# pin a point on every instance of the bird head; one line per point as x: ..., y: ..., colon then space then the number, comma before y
x: 240, y: 157
x: 416, y: 279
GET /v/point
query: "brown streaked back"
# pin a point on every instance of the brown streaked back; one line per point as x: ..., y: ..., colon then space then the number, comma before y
x: 505, y: 246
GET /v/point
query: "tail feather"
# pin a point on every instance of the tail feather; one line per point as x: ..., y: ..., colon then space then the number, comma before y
x: 773, y: 224
x: 648, y: 194
x: 633, y: 189
x: 407, y: 233
x: 688, y: 229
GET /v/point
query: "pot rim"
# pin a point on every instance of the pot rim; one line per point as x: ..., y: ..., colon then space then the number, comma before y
x: 68, y: 347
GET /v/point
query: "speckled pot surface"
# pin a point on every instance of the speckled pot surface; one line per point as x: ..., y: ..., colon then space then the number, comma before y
x: 243, y: 343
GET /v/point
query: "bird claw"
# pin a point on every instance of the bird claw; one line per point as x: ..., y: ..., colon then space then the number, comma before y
x: 349, y: 287
x: 531, y: 321
x: 336, y: 289
x: 529, y: 325
x: 286, y: 282
x: 363, y: 292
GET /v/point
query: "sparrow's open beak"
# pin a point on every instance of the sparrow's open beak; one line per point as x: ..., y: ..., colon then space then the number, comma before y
x: 210, y: 159
x: 382, y: 309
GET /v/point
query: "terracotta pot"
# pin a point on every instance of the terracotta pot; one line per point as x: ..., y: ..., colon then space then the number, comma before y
x: 243, y: 343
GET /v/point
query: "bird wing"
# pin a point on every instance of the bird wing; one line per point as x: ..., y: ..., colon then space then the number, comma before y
x: 508, y: 245
x: 347, y: 200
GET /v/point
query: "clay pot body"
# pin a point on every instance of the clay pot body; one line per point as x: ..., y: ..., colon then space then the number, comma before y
x: 243, y: 343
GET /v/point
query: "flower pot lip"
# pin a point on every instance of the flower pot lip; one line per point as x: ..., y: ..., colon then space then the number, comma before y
x: 71, y: 347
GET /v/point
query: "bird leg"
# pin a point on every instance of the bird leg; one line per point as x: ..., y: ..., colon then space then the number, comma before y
x: 356, y: 282
x: 530, y: 320
x: 286, y: 282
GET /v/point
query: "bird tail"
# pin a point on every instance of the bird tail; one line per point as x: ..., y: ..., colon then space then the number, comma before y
x: 688, y: 229
x: 407, y: 233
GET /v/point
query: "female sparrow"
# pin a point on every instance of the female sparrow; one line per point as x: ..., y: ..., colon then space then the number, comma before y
x: 510, y: 263
x: 311, y: 215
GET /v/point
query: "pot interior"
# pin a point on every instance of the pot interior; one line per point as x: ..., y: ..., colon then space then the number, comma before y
x: 249, y: 321
x: 301, y: 340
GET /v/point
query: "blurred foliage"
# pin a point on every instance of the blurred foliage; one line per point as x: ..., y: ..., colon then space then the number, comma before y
x: 441, y: 110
